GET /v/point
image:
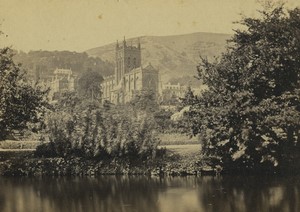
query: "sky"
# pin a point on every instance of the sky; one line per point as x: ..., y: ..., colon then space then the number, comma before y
x: 78, y: 25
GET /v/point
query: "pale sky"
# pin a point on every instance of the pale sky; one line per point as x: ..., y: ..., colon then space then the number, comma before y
x: 78, y: 25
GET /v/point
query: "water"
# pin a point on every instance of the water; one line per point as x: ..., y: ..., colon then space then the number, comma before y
x: 130, y: 194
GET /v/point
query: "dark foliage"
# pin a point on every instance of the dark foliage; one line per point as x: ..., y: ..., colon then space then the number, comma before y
x: 89, y: 85
x: 20, y: 102
x: 249, y: 118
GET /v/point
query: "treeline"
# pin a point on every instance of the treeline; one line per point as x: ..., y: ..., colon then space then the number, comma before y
x: 44, y: 62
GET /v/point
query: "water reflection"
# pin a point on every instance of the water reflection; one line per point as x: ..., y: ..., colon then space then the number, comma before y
x: 122, y: 194
x: 249, y: 194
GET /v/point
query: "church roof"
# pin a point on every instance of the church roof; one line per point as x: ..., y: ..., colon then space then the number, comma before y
x: 149, y: 67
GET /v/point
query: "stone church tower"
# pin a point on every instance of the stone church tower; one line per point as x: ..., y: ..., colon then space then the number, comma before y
x: 130, y: 77
x: 127, y: 58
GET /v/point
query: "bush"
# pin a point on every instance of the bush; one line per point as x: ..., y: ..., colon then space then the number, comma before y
x: 45, y: 150
x: 94, y: 132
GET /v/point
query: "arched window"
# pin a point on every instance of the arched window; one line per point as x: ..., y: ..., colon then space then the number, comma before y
x: 134, y: 62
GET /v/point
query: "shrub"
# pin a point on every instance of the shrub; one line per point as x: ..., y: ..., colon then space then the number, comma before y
x: 96, y: 132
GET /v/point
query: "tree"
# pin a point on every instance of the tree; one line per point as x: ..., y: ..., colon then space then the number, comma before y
x: 89, y: 85
x: 20, y: 103
x: 169, y: 98
x: 67, y: 101
x: 145, y: 101
x: 189, y: 97
x: 249, y: 117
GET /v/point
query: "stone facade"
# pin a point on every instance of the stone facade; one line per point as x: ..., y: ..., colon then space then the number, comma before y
x: 130, y: 77
x: 61, y: 80
x: 177, y: 91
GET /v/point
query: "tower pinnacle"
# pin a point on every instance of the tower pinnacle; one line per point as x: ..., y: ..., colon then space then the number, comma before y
x: 124, y: 42
x: 139, y: 43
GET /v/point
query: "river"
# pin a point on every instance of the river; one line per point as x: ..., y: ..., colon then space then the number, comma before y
x: 150, y: 194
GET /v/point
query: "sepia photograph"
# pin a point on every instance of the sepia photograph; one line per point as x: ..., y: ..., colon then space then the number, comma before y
x: 149, y: 105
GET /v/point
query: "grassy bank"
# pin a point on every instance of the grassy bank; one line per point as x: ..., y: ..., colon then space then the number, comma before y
x: 180, y: 157
x: 165, y: 139
x: 177, y: 160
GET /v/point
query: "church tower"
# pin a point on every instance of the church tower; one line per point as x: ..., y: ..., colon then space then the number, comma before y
x: 128, y: 57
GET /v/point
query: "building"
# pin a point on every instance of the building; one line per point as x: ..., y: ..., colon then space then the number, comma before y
x: 175, y: 90
x: 172, y: 93
x: 61, y: 80
x: 130, y: 77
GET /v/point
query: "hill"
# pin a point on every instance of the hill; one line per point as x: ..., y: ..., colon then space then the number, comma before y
x: 44, y: 63
x: 175, y: 55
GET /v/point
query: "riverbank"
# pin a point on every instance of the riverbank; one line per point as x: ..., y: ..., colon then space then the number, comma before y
x: 173, y: 160
x: 176, y: 160
x: 166, y: 139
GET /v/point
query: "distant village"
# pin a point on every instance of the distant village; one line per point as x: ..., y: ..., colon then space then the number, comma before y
x: 129, y: 78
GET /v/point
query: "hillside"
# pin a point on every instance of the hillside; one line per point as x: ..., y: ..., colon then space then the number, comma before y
x: 44, y: 63
x: 175, y: 56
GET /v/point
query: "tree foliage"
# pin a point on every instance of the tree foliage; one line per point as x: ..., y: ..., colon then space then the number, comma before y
x: 249, y: 117
x: 44, y: 62
x: 88, y: 129
x: 20, y: 102
x: 145, y: 100
x: 189, y: 98
x: 145, y: 104
x: 89, y: 85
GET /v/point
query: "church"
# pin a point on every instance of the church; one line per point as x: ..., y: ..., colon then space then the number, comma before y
x: 130, y: 77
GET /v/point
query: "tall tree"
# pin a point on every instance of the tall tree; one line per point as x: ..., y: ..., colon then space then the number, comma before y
x: 89, y: 85
x: 145, y: 100
x: 20, y: 102
x: 250, y: 115
x: 189, y: 97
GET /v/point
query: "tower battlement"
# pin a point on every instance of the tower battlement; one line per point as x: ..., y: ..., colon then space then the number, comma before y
x: 128, y: 57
